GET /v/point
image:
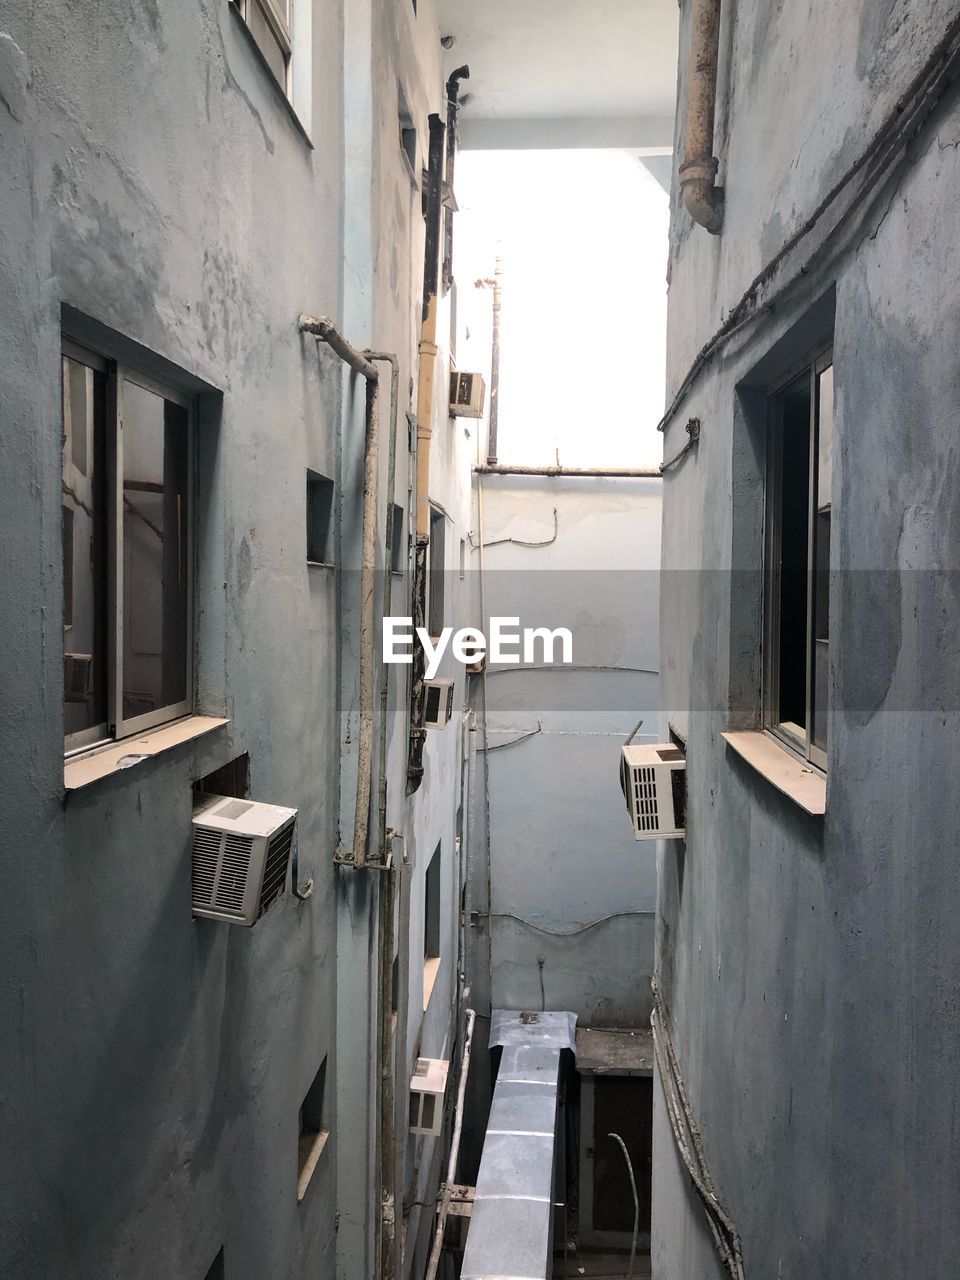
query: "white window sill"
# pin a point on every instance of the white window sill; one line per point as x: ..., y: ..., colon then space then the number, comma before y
x: 431, y: 967
x: 81, y: 771
x: 311, y: 1149
x: 803, y: 784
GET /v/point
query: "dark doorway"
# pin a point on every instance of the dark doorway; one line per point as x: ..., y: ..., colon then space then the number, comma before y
x: 623, y: 1105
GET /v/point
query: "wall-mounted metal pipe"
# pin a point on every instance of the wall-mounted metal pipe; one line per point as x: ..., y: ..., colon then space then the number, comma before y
x: 453, y: 107
x: 647, y: 473
x: 495, y: 365
x: 698, y: 172
x: 387, y: 583
x: 387, y: 906
x: 437, y: 1249
x: 323, y: 328
x: 326, y: 331
x: 428, y: 331
x: 425, y: 381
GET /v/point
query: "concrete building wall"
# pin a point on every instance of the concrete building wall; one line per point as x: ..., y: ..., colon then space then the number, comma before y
x: 805, y: 962
x: 572, y: 892
x: 159, y: 185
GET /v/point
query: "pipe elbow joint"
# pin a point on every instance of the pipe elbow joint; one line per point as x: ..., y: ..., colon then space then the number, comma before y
x: 701, y: 196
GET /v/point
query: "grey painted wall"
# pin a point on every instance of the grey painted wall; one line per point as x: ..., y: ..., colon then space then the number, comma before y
x: 153, y: 1067
x: 808, y: 965
x: 156, y: 180
x: 572, y: 893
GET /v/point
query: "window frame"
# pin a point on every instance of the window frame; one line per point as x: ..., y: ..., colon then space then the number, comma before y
x: 811, y: 367
x: 282, y: 29
x: 117, y: 371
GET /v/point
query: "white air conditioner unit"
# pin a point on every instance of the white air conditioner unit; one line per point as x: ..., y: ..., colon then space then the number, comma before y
x: 654, y: 781
x: 427, y: 1088
x: 437, y: 703
x: 467, y: 392
x: 77, y: 674
x: 241, y: 851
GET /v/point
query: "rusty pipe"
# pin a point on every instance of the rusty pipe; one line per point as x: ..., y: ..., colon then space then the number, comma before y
x: 698, y: 172
x: 324, y: 330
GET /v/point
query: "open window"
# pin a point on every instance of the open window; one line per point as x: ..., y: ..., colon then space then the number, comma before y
x: 797, y: 606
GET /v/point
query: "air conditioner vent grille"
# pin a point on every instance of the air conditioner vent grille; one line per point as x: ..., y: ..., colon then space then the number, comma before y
x: 206, y: 855
x: 645, y: 793
x: 678, y: 783
x: 653, y: 781
x: 237, y: 851
x: 433, y: 703
x: 275, y: 870
x: 428, y: 1111
x: 464, y: 388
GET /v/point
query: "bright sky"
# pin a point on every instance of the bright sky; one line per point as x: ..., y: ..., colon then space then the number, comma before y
x: 583, y: 236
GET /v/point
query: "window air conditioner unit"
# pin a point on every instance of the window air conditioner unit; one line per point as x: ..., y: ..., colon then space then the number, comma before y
x: 77, y: 671
x: 427, y: 1088
x: 438, y: 703
x: 241, y: 851
x: 467, y: 393
x: 654, y: 781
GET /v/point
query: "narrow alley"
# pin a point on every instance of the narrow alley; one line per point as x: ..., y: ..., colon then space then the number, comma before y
x: 499, y: 822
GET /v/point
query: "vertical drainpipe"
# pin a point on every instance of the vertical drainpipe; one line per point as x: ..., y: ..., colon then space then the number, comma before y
x: 453, y: 94
x: 495, y: 366
x: 428, y: 361
x: 698, y: 172
x: 386, y: 1163
x: 326, y: 331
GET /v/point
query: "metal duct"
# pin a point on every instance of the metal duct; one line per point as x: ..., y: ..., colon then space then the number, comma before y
x: 510, y: 1234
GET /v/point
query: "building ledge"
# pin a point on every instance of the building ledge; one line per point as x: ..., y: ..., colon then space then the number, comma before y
x: 622, y: 1052
x: 311, y: 1149
x: 800, y: 782
x: 81, y: 771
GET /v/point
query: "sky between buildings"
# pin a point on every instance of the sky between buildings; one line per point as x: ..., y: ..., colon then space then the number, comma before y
x: 583, y: 236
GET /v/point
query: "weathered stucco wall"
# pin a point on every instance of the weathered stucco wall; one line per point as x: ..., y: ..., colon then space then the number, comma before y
x: 153, y: 1066
x: 808, y: 965
x: 157, y: 181
x: 572, y: 892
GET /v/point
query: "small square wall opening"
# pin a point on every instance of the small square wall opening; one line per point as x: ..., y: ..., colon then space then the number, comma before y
x: 431, y: 926
x: 398, y: 540
x: 320, y: 510
x: 231, y: 779
x: 313, y: 1130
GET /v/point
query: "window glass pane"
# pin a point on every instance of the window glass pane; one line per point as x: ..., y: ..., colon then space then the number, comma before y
x: 84, y: 547
x: 266, y: 39
x: 821, y: 552
x: 155, y: 551
x: 794, y: 523
x: 824, y: 438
